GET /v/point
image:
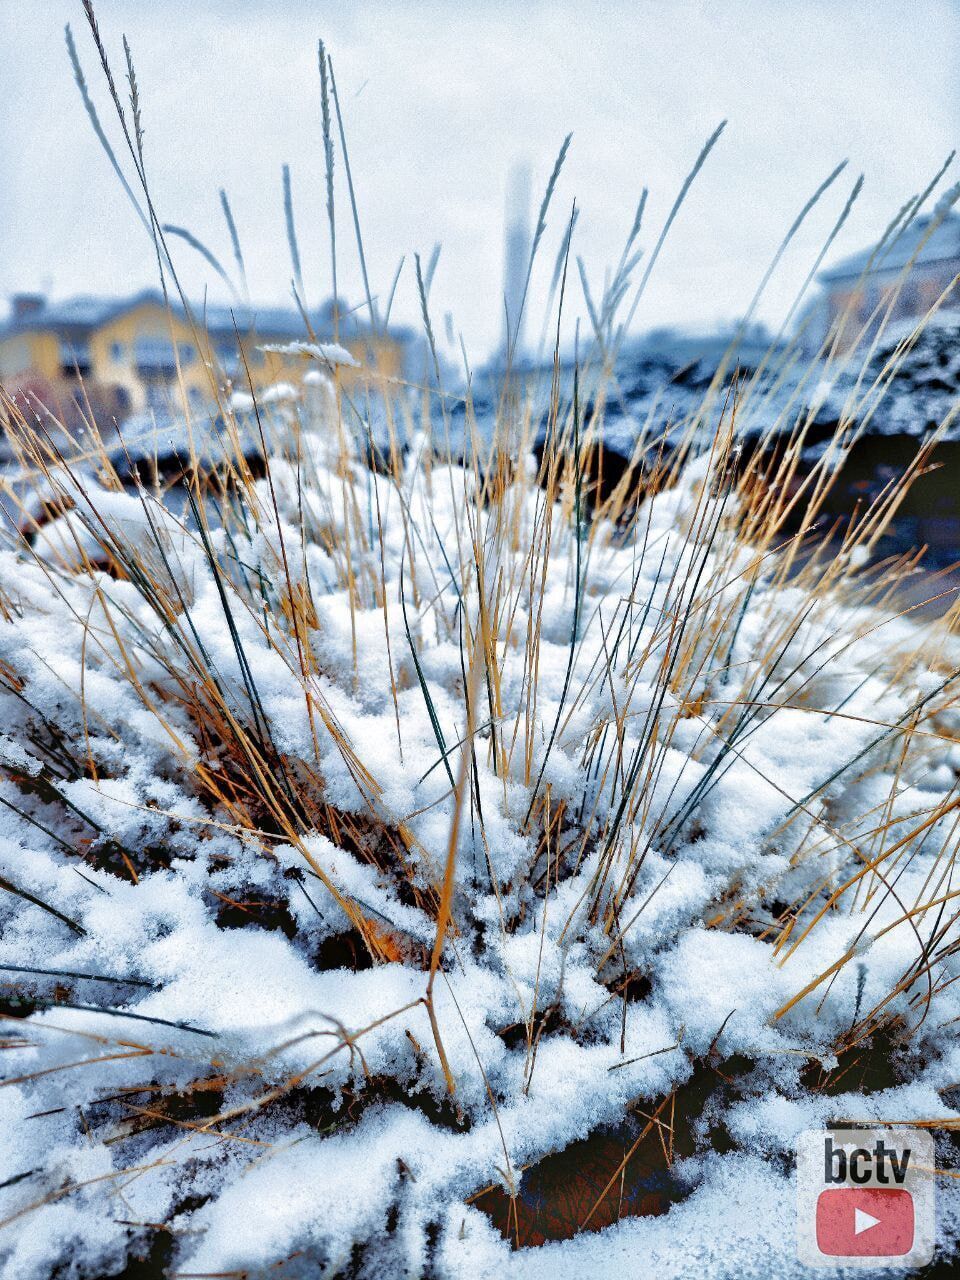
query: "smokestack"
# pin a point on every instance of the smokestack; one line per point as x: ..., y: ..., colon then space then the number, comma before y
x: 26, y: 304
x: 516, y: 259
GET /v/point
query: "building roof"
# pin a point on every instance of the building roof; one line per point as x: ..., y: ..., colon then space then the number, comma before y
x: 942, y: 246
x: 77, y: 317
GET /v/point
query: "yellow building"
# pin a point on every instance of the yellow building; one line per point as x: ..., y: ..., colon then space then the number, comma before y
x: 147, y: 355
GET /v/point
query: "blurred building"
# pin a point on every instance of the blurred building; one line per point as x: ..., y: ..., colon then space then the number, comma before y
x: 921, y: 263
x: 132, y: 354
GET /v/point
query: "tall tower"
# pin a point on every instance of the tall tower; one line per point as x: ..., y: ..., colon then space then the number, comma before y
x: 516, y: 258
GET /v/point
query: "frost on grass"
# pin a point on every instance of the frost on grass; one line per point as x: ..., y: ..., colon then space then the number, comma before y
x: 328, y: 353
x: 368, y: 837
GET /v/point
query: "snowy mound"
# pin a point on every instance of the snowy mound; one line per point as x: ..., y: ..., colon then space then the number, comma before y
x: 375, y: 839
x: 909, y: 384
x: 925, y: 383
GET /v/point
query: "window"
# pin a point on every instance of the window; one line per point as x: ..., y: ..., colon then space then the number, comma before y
x: 74, y: 356
x: 228, y: 356
x: 117, y: 351
x: 158, y: 353
x: 869, y: 297
x: 153, y: 352
x: 158, y: 398
x: 910, y: 302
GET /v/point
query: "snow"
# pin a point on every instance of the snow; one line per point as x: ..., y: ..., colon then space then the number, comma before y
x: 330, y: 1129
x: 329, y: 353
x: 276, y: 393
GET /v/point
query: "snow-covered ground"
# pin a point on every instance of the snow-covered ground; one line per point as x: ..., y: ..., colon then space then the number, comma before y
x: 274, y: 896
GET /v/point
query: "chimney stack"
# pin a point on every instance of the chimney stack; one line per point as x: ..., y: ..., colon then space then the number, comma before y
x: 516, y: 257
x: 27, y: 304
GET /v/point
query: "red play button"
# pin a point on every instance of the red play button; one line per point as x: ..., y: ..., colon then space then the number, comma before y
x: 855, y: 1222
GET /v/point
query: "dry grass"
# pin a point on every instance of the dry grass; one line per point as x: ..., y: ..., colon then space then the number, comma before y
x: 753, y: 519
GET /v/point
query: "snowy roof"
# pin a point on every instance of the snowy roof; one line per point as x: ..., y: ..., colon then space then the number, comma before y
x: 942, y: 246
x: 78, y: 316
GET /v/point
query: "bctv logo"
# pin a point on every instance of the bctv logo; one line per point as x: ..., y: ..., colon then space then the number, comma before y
x: 861, y: 1164
x: 865, y: 1197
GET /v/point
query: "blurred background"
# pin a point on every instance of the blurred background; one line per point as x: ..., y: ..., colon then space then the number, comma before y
x: 446, y: 107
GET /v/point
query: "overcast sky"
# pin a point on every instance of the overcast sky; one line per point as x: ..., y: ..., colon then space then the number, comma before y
x: 440, y: 101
